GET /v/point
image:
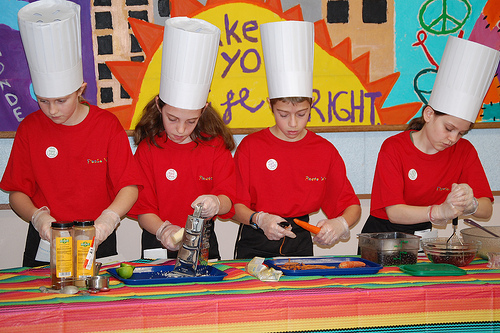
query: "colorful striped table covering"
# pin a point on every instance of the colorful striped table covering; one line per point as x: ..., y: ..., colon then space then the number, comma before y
x: 389, y: 301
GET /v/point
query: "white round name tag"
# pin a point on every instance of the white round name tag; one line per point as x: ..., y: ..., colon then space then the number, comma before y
x: 171, y: 174
x: 412, y: 174
x: 51, y: 152
x: 272, y: 164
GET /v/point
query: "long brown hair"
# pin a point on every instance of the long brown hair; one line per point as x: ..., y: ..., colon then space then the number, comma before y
x: 418, y: 123
x: 209, y: 126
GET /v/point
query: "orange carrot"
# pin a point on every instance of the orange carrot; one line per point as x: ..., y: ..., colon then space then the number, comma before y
x: 351, y: 264
x: 309, y: 227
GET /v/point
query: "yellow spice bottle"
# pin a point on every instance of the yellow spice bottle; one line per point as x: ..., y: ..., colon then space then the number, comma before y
x: 84, y: 250
x: 61, y: 254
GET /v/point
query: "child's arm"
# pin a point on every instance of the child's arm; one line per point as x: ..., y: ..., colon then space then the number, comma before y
x: 124, y: 200
x: 22, y: 205
x: 39, y: 217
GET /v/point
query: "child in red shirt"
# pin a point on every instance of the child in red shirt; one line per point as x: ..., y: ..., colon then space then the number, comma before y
x: 429, y: 174
x: 285, y: 171
x: 184, y: 148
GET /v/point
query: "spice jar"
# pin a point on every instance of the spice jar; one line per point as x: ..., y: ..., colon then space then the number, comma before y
x: 61, y: 254
x: 83, y: 250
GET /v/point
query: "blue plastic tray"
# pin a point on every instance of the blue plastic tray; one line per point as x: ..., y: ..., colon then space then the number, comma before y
x: 158, y: 275
x: 370, y: 268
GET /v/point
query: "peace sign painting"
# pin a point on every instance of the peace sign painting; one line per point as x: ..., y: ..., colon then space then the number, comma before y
x: 375, y: 61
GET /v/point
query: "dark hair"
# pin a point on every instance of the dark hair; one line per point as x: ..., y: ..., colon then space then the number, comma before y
x: 293, y: 100
x: 209, y: 126
x: 418, y: 123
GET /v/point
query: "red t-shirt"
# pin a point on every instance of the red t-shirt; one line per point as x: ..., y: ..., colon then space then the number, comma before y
x: 176, y: 174
x: 76, y: 171
x: 405, y: 175
x: 292, y: 179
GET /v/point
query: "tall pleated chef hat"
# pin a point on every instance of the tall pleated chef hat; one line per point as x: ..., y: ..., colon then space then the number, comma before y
x: 188, y: 60
x: 464, y: 77
x: 288, y: 48
x: 51, y: 35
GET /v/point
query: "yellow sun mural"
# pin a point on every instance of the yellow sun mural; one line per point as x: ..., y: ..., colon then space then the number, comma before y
x: 344, y: 94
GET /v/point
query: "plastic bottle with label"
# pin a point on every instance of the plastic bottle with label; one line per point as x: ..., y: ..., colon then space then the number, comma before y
x: 61, y: 254
x: 84, y: 250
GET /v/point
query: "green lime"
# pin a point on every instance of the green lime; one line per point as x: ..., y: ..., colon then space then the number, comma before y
x: 125, y: 271
x: 123, y: 264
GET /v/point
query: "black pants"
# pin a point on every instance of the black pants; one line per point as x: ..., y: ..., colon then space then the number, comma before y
x: 254, y: 243
x: 106, y: 249
x: 149, y: 241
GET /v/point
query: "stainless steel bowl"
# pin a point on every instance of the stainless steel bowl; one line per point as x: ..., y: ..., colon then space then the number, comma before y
x: 98, y: 283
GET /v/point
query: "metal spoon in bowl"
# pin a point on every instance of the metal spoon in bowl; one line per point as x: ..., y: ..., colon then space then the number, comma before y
x: 477, y: 225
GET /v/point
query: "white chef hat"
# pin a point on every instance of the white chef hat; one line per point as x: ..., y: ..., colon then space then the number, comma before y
x: 188, y: 60
x: 288, y: 48
x: 464, y: 77
x: 51, y: 35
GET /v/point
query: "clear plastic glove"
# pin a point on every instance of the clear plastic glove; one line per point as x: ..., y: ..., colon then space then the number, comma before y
x: 165, y: 234
x: 105, y: 224
x: 331, y: 231
x: 211, y: 205
x: 42, y: 221
x: 463, y: 197
x: 269, y: 224
x: 441, y: 214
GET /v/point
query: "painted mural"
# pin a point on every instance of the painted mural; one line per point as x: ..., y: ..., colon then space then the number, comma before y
x: 375, y: 60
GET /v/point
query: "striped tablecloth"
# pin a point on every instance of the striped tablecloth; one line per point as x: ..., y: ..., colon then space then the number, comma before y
x: 389, y: 301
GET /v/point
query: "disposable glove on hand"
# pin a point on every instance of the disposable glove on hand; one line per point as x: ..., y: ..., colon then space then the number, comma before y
x: 165, y: 235
x: 269, y: 224
x: 441, y: 214
x: 331, y: 231
x: 211, y: 205
x: 42, y: 221
x: 463, y: 197
x: 105, y: 224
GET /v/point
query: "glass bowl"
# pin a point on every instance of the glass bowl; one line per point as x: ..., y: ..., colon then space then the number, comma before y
x: 489, y: 243
x: 455, y: 253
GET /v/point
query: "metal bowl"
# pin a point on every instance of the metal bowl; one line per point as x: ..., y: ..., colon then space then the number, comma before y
x: 489, y: 243
x: 98, y: 283
x: 456, y: 253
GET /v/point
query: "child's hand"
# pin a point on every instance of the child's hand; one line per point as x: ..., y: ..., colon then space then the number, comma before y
x: 463, y: 196
x: 42, y: 221
x: 165, y: 234
x: 105, y: 224
x: 331, y: 231
x: 211, y: 205
x: 269, y: 223
x: 449, y: 209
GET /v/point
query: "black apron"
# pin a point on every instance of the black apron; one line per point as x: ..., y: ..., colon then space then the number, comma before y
x: 106, y: 249
x: 149, y: 241
x: 254, y: 243
x: 374, y: 224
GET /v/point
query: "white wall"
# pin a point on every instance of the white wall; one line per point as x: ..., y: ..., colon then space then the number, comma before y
x: 13, y: 236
